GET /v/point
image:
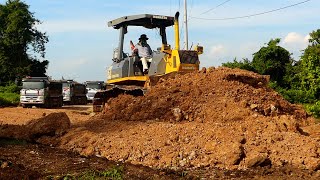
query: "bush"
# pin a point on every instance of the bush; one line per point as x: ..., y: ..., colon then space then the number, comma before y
x: 314, y: 109
x: 297, y: 96
x: 9, y: 99
x: 10, y: 88
x: 9, y: 95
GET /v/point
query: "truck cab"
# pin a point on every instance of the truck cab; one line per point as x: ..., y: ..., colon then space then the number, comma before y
x: 40, y: 92
x: 74, y: 92
x: 92, y: 88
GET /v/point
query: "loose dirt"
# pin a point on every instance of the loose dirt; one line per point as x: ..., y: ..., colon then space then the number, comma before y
x: 217, y: 118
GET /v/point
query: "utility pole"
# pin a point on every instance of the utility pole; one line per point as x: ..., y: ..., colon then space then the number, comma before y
x: 186, y: 47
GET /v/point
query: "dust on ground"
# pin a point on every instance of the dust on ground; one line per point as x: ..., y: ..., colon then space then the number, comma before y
x: 217, y: 118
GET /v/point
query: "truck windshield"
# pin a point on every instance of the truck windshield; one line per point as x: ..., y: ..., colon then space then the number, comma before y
x: 65, y: 85
x: 94, y: 86
x: 32, y: 85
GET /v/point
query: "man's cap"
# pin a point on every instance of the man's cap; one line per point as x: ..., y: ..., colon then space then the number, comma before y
x: 143, y: 36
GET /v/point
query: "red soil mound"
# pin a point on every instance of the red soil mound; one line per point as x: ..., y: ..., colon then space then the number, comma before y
x: 220, y: 118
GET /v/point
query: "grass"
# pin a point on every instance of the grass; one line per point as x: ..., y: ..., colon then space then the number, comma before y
x: 115, y: 173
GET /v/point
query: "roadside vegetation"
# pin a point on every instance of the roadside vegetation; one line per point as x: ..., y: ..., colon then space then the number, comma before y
x: 298, y: 81
x: 9, y: 95
x: 22, y: 49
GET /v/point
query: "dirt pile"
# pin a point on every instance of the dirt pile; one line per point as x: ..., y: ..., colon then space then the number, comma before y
x: 54, y: 124
x: 201, y: 95
x: 219, y: 118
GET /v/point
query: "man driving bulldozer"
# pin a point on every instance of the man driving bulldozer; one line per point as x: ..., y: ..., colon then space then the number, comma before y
x: 144, y: 51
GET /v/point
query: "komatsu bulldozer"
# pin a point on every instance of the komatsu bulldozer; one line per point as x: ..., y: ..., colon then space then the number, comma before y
x: 125, y: 75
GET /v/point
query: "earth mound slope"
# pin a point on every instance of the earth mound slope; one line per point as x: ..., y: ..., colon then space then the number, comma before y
x: 205, y: 95
x: 226, y: 118
x: 52, y: 125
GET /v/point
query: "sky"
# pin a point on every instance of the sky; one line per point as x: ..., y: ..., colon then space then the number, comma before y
x: 81, y: 44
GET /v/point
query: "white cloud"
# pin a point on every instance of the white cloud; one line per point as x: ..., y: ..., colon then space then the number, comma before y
x: 295, y: 43
x: 306, y: 38
x: 295, y: 38
x: 217, y: 50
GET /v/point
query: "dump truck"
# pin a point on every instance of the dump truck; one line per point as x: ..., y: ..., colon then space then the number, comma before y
x: 41, y: 92
x: 92, y: 88
x: 125, y: 75
x: 74, y: 93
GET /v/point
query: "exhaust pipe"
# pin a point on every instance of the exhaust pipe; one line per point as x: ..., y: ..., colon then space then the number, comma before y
x: 176, y: 31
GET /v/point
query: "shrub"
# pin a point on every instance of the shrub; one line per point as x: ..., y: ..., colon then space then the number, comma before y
x: 9, y: 95
x: 314, y: 109
x: 9, y: 99
x: 10, y: 88
x: 297, y: 96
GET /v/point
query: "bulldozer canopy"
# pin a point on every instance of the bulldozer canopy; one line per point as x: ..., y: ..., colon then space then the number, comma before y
x: 146, y: 20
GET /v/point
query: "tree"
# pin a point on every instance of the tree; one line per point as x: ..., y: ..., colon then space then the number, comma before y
x: 315, y: 37
x: 309, y: 74
x: 18, y: 38
x: 38, y: 68
x: 244, y: 64
x: 272, y: 60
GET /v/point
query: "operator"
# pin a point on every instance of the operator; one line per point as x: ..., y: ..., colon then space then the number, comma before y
x: 144, y: 51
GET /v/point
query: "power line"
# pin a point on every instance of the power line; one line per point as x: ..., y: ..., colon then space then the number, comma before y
x: 191, y: 8
x: 190, y: 11
x: 215, y: 7
x: 252, y: 15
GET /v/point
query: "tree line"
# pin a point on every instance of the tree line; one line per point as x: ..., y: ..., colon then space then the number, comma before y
x: 22, y: 45
x: 297, y: 80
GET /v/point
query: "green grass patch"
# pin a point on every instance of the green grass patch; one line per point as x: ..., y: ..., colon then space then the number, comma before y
x: 115, y: 173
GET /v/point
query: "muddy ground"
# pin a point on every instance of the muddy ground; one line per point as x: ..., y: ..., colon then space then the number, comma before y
x: 217, y: 123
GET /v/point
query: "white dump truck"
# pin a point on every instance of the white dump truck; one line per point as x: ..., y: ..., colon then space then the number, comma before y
x: 92, y: 88
x: 74, y: 93
x: 41, y: 92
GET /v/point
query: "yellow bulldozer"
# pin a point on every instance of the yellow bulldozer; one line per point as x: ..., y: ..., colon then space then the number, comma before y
x: 126, y: 76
